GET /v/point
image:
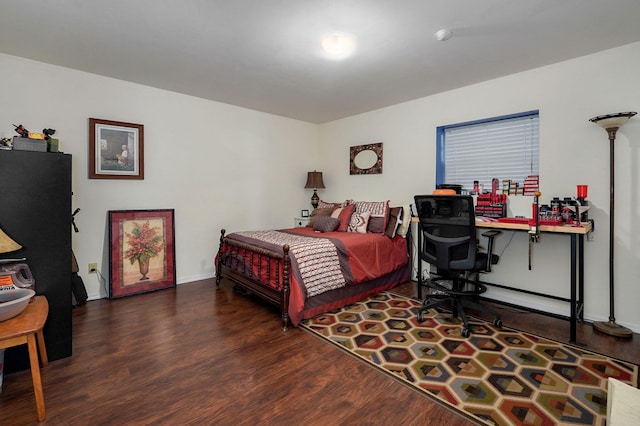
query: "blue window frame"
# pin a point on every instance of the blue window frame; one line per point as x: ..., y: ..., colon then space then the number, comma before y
x: 505, y: 147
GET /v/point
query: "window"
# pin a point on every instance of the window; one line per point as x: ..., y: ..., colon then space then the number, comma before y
x: 502, y: 147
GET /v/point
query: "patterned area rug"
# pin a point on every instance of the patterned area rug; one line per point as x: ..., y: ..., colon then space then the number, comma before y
x: 496, y: 376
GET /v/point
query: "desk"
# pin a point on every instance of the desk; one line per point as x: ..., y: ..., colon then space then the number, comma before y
x: 576, y: 234
x: 25, y: 329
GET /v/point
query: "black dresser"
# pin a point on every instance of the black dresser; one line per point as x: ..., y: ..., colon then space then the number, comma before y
x: 35, y: 211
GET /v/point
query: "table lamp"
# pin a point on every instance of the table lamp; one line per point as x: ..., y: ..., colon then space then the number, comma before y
x: 611, y: 123
x: 7, y: 244
x: 314, y: 181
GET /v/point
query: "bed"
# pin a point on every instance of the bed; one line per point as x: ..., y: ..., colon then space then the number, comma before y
x: 318, y: 268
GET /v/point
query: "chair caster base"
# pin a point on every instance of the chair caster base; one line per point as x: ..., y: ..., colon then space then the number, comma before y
x: 465, y: 332
x: 497, y: 323
x: 420, y: 316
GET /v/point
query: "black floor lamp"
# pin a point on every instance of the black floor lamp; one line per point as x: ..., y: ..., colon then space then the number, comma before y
x: 611, y: 123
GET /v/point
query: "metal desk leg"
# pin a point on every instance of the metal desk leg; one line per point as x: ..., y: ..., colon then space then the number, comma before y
x: 573, y: 315
x: 581, y: 278
x: 419, y: 259
x: 577, y: 285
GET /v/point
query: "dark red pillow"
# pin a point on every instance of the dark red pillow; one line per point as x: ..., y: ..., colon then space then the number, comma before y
x: 344, y: 215
x: 316, y: 213
x: 326, y: 224
x: 395, y: 218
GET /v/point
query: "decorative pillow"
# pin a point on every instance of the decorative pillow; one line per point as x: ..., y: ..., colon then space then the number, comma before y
x: 379, y: 214
x: 326, y: 224
x: 359, y: 222
x: 319, y: 212
x: 325, y: 205
x: 403, y: 229
x: 395, y: 219
x: 344, y: 215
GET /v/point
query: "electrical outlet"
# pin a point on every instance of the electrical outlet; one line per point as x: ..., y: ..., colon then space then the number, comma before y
x: 93, y: 268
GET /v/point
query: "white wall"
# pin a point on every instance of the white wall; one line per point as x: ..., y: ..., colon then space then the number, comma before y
x: 195, y: 148
x: 218, y: 166
x: 572, y: 151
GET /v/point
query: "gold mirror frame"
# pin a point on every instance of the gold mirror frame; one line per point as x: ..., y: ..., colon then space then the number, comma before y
x: 376, y: 169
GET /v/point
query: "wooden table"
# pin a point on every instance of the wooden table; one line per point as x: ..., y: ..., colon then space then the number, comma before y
x: 26, y: 328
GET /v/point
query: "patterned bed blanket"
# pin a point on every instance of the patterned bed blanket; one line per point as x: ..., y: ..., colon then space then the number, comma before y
x: 320, y: 264
x: 327, y: 270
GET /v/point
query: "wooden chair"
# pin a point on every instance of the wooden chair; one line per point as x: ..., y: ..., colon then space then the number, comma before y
x: 26, y: 328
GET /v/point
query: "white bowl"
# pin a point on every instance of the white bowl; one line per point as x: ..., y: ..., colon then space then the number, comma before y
x: 13, y: 302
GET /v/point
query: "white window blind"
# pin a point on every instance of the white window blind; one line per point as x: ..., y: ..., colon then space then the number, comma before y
x: 502, y: 148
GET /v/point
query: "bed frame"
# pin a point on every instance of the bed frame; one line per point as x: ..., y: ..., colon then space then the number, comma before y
x: 233, y: 267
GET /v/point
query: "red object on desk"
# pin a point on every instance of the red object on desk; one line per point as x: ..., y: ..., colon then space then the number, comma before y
x: 513, y: 220
x: 526, y: 221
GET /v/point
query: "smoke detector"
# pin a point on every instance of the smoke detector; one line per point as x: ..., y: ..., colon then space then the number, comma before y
x: 443, y: 35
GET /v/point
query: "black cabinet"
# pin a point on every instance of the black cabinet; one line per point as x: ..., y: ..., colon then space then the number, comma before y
x: 35, y: 211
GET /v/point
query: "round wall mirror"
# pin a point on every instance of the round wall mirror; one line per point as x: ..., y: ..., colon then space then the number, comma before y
x: 366, y: 159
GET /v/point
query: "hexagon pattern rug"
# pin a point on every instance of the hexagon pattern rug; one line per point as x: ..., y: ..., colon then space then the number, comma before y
x: 497, y: 376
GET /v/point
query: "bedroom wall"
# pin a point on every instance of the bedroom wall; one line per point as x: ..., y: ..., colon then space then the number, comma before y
x: 217, y: 165
x: 194, y: 148
x: 572, y: 151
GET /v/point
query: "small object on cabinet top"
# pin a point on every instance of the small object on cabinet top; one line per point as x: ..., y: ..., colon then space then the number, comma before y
x: 28, y: 144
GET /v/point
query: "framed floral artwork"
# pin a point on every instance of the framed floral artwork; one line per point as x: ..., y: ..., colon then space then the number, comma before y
x: 142, y: 251
x: 116, y: 150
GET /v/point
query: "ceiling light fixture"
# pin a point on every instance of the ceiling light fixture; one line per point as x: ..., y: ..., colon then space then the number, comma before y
x: 339, y: 45
x: 443, y: 35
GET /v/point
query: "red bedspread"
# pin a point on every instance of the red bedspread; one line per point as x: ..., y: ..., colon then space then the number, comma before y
x: 365, y: 258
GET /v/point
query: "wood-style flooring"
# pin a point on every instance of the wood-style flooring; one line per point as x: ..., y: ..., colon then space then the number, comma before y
x: 195, y: 355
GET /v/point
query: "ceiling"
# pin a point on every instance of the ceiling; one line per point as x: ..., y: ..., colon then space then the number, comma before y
x: 265, y: 54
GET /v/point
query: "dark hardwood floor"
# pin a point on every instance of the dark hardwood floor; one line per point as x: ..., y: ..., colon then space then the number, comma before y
x: 197, y: 355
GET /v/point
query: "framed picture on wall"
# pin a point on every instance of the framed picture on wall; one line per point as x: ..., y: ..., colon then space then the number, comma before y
x: 116, y: 150
x: 141, y: 251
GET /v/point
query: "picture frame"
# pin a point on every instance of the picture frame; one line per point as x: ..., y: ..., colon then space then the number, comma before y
x: 365, y: 159
x: 141, y: 251
x: 304, y: 213
x: 116, y: 150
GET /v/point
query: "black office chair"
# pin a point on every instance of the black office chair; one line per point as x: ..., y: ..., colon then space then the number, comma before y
x: 448, y: 241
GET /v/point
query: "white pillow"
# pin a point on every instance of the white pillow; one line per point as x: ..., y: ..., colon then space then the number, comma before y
x: 359, y: 222
x: 405, y: 221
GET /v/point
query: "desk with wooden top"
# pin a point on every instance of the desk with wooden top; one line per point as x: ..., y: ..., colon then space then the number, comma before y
x: 576, y: 234
x: 26, y: 328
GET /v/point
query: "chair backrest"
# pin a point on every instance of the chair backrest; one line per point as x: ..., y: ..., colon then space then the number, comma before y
x: 448, y: 227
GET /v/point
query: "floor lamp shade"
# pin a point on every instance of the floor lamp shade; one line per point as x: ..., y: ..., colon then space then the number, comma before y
x: 611, y: 123
x: 314, y: 181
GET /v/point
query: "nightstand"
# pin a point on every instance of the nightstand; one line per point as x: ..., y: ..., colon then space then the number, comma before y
x: 300, y: 222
